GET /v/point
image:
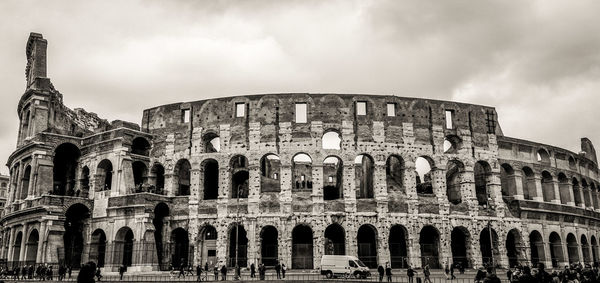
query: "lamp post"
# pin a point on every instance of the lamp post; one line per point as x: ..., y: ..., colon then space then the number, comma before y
x: 237, y: 232
x: 490, y: 206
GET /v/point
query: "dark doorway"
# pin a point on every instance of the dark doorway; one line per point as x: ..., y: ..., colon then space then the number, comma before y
x: 335, y: 240
x: 180, y: 244
x: 66, y: 157
x: 367, y: 245
x: 211, y: 179
x: 398, y: 250
x: 161, y: 211
x: 302, y: 247
x: 429, y: 239
x: 242, y: 248
x: 459, y: 245
x: 98, y: 247
x: 76, y: 218
x: 513, y: 247
x: 269, y: 245
x: 536, y: 245
x: 489, y: 250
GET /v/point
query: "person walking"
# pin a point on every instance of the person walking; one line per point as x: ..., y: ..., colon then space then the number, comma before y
x: 283, y: 269
x: 381, y: 272
x: 411, y: 274
x: 121, y: 271
x: 261, y: 271
x: 199, y: 272
x: 252, y: 271
x: 181, y: 270
x: 278, y: 270
x: 216, y: 272
x: 98, y: 274
x: 447, y: 271
x: 452, y: 277
x: 426, y: 274
x: 388, y: 272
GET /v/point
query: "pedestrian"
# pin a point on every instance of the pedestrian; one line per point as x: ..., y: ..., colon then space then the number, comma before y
x: 447, y: 271
x: 283, y: 269
x: 224, y: 272
x: 426, y: 274
x: 69, y: 270
x: 410, y: 273
x: 216, y: 272
x: 261, y: 271
x: 121, y: 271
x: 381, y: 271
x: 181, y: 269
x: 206, y: 267
x: 278, y: 270
x: 23, y: 272
x: 491, y: 276
x: 199, y: 272
x: 252, y: 271
x: 452, y: 277
x: 388, y: 272
x: 86, y: 273
x: 98, y: 274
x: 49, y: 273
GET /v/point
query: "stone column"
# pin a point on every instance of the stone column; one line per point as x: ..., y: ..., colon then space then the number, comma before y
x: 23, y: 242
x: 556, y: 191
x: 39, y: 257
x: 539, y: 192
x: 11, y: 244
x: 317, y: 189
x: 569, y: 187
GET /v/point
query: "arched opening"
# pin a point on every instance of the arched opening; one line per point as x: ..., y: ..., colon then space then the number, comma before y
x: 333, y: 177
x: 331, y: 140
x: 270, y: 167
x: 98, y: 247
x: 124, y: 247
x: 211, y: 179
x: 394, y: 173
x: 587, y: 197
x: 17, y: 247
x: 212, y: 143
x: 528, y: 180
x: 367, y: 245
x: 208, y: 245
x: 241, y: 248
x: 25, y: 182
x: 572, y: 163
x: 364, y: 168
x: 556, y: 253
x: 239, y: 176
x: 460, y: 243
x: 452, y: 144
x: 454, y: 177
x: 77, y: 217
x: 269, y: 245
x: 488, y: 244
x: 182, y: 177
x: 66, y: 158
x: 542, y: 156
x: 158, y: 175
x: 577, y: 192
x: 104, y: 174
x: 429, y: 240
x: 564, y: 189
x: 423, y: 167
x: 514, y: 248
x: 302, y: 247
x: 161, y: 211
x: 180, y: 244
x: 302, y: 171
x: 398, y: 247
x: 507, y: 180
x: 84, y: 182
x: 536, y: 245
x: 335, y: 240
x: 31, y: 247
x: 594, y: 248
x: 594, y: 192
x: 547, y: 186
x: 140, y: 173
x: 140, y: 146
x: 482, y: 172
x: 585, y: 250
x: 572, y: 249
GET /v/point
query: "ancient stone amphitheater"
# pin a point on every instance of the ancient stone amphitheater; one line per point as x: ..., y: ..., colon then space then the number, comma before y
x: 389, y: 179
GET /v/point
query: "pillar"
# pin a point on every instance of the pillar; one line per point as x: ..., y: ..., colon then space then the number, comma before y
x: 518, y: 179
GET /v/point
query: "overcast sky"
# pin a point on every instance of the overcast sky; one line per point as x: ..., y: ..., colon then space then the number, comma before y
x: 537, y: 62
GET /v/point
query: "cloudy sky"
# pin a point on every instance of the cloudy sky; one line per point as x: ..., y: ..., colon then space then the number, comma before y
x: 537, y: 62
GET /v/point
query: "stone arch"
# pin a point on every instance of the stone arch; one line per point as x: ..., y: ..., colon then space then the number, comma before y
x: 572, y: 248
x: 454, y: 177
x: 529, y: 187
x: 585, y: 250
x: 157, y: 178
x: 180, y: 247
x: 123, y: 247
x: 331, y: 140
x: 302, y: 171
x: 302, y: 247
x: 429, y: 240
x: 161, y: 212
x: 25, y: 182
x: 66, y: 160
x: 31, y: 247
x: 140, y: 174
x: 238, y: 245
x: 594, y: 244
x: 104, y: 175
x: 460, y: 246
x: 556, y: 249
x: 577, y: 192
x: 182, y: 177
x: 394, y: 172
x: 239, y: 176
x: 543, y: 156
x: 17, y: 247
x: 208, y: 244
x: 335, y: 240
x: 547, y: 186
x: 210, y: 178
x: 269, y: 247
x: 424, y: 166
x: 507, y: 180
x: 564, y: 188
x: 488, y: 243
x: 211, y: 141
x: 364, y: 169
x: 514, y: 248
x: 98, y: 247
x: 367, y: 240
x: 482, y: 173
x: 140, y: 146
x: 77, y: 217
x: 270, y: 172
x: 536, y: 246
x: 398, y: 245
x: 84, y: 181
x: 333, y: 178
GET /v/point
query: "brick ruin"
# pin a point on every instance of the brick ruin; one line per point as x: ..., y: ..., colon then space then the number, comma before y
x: 389, y: 179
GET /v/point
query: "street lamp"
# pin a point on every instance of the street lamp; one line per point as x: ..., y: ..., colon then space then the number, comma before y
x: 237, y: 232
x: 489, y: 205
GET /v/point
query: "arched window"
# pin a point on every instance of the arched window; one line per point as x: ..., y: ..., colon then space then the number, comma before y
x: 84, y: 182
x: 423, y: 168
x: 394, y: 172
x: 239, y: 176
x: 564, y: 188
x: 507, y: 180
x: 212, y: 143
x: 25, y: 182
x: 104, y: 174
x: 529, y: 187
x: 548, y: 186
x: 333, y: 178
x: 364, y: 167
x: 66, y: 158
x: 452, y: 144
x: 182, y: 177
x: 482, y: 171
x: 270, y: 166
x: 140, y: 173
x: 577, y: 192
x: 542, y: 156
x: 302, y: 171
x: 140, y: 146
x: 211, y: 179
x: 158, y: 179
x: 454, y: 176
x: 331, y: 140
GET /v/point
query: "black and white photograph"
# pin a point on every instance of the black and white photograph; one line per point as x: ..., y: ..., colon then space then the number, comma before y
x: 416, y: 141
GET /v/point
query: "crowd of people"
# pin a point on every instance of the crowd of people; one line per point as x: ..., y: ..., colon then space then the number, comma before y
x: 40, y: 272
x: 574, y: 273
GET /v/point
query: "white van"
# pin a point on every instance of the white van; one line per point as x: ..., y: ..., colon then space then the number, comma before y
x: 343, y: 265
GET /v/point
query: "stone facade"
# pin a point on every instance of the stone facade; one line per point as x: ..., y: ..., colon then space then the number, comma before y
x: 421, y: 184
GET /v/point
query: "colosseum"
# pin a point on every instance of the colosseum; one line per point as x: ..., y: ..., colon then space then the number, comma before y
x: 290, y: 177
